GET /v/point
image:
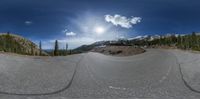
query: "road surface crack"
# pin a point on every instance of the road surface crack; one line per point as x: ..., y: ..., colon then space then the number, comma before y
x: 49, y: 93
x: 182, y: 78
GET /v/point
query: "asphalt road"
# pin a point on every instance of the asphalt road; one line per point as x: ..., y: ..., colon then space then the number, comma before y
x: 154, y: 74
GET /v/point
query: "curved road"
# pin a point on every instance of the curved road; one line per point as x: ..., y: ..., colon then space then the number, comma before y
x: 154, y: 74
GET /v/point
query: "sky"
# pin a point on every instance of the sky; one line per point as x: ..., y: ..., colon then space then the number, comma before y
x: 79, y: 22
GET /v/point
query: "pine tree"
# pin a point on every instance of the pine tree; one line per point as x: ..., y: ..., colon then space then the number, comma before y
x: 179, y: 42
x: 66, y: 49
x: 32, y: 52
x: 194, y: 41
x: 56, y: 48
x: 7, y: 45
x: 40, y: 48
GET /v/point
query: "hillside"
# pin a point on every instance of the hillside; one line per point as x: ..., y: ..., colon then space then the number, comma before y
x: 119, y: 50
x: 17, y: 44
x: 86, y: 48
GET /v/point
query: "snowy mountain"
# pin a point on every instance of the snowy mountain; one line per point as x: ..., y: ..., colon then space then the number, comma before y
x: 145, y: 37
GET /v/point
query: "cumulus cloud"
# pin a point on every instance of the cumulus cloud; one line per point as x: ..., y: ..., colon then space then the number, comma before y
x: 122, y: 21
x: 28, y: 22
x: 70, y: 34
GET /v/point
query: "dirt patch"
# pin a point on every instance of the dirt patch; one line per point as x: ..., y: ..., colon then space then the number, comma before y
x: 119, y: 50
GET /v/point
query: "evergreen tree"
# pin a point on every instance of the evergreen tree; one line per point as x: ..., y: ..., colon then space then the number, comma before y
x: 40, y: 48
x: 56, y: 48
x: 66, y: 46
x: 32, y: 51
x: 66, y: 50
x: 194, y: 41
x: 179, y: 42
x: 7, y: 42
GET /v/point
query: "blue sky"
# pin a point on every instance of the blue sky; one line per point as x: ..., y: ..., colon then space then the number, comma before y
x: 86, y: 21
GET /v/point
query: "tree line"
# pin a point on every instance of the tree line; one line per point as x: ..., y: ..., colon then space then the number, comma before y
x: 185, y: 42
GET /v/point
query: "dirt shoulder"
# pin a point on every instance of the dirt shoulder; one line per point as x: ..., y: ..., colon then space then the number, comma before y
x: 119, y: 50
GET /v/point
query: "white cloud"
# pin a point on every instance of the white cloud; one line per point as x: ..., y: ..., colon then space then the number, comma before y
x: 65, y: 30
x: 28, y: 22
x: 70, y: 34
x: 122, y: 20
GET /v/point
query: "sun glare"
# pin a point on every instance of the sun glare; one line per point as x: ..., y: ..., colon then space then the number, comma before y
x: 99, y: 30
